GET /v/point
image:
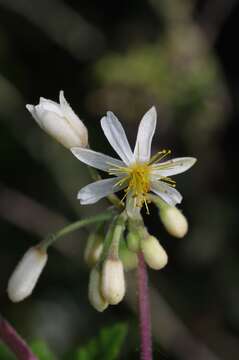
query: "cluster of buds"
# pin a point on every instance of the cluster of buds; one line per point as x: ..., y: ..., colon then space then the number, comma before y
x: 126, y: 238
x: 109, y: 258
x: 107, y: 280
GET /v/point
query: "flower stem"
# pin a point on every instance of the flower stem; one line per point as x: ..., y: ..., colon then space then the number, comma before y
x: 144, y: 310
x: 14, y: 342
x: 50, y: 239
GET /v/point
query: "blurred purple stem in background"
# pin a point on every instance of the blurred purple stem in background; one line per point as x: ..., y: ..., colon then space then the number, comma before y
x: 14, y: 342
x: 144, y: 310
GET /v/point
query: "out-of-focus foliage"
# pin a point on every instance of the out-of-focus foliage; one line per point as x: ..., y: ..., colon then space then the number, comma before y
x: 5, y: 353
x: 107, y: 345
x: 41, y: 349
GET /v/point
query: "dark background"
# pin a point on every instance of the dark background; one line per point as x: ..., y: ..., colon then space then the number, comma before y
x: 124, y: 56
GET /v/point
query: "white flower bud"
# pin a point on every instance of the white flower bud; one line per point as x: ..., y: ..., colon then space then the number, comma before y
x: 154, y: 254
x: 60, y: 121
x: 174, y: 221
x: 113, y: 282
x: 93, y: 249
x: 95, y: 297
x: 27, y: 272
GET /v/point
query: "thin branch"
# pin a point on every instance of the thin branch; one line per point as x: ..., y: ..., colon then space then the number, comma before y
x: 167, y: 327
x: 14, y: 342
x: 144, y: 310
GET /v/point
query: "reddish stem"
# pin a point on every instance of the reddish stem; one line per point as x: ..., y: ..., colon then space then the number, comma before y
x: 144, y: 310
x: 14, y: 342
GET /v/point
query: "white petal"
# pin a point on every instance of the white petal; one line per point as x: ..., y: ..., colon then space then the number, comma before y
x: 116, y: 136
x: 49, y: 105
x: 142, y: 150
x: 95, y: 191
x: 169, y: 194
x: 96, y: 159
x: 173, y: 167
x: 57, y: 127
x: 66, y: 108
x: 32, y: 110
x: 73, y: 120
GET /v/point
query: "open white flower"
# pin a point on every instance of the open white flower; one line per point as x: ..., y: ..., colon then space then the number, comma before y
x: 60, y: 121
x: 137, y: 172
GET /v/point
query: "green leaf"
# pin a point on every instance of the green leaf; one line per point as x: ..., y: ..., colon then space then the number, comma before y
x: 41, y: 350
x: 106, y: 345
x: 5, y: 353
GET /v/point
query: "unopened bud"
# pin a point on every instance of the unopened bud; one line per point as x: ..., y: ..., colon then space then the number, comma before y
x: 154, y: 254
x: 113, y: 282
x: 27, y: 272
x: 128, y: 257
x: 93, y: 249
x: 94, y: 293
x: 133, y: 242
x: 174, y: 221
x: 60, y: 122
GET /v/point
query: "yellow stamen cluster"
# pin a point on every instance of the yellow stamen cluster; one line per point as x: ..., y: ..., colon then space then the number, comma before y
x: 137, y: 176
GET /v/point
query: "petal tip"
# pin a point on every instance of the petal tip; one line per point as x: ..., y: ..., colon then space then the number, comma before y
x: 152, y: 111
x: 62, y: 98
x: 102, y: 120
x: 30, y: 107
x: 193, y: 161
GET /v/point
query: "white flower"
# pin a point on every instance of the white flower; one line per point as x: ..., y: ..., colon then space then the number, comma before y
x: 137, y: 172
x: 26, y: 274
x: 60, y: 121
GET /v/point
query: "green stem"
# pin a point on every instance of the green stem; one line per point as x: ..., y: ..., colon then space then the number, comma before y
x: 50, y: 239
x: 114, y: 234
x: 158, y: 201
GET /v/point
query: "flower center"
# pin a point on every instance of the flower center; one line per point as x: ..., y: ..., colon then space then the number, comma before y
x: 137, y: 176
x: 139, y: 181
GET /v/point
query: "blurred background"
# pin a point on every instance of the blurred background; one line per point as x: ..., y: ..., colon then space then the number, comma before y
x: 180, y: 56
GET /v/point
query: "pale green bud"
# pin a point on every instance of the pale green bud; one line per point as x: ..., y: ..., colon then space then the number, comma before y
x: 174, y: 221
x: 93, y: 249
x: 26, y: 274
x: 133, y: 242
x: 129, y: 258
x: 113, y: 282
x: 154, y: 254
x: 94, y: 293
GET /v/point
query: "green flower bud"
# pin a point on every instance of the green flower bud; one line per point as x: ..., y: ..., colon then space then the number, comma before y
x: 93, y: 249
x: 174, y: 221
x: 133, y: 242
x: 154, y: 254
x: 128, y: 258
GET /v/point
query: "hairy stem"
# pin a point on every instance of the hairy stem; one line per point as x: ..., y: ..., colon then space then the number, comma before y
x: 14, y: 342
x: 144, y: 310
